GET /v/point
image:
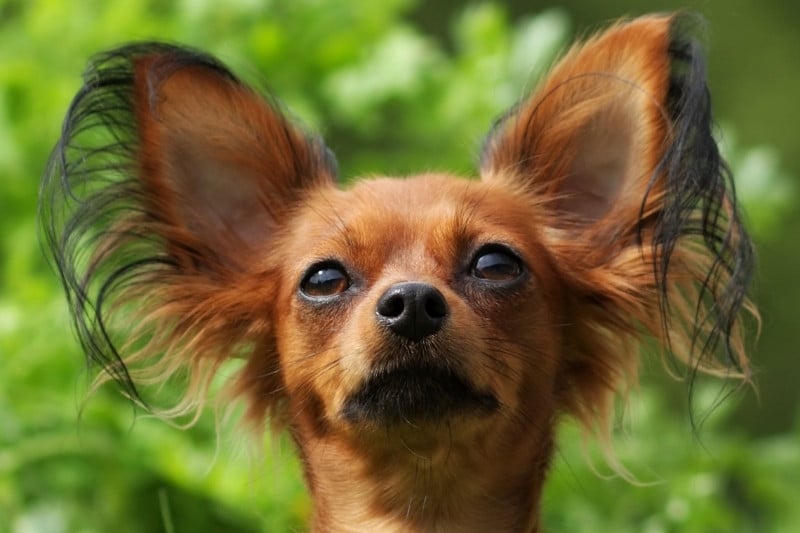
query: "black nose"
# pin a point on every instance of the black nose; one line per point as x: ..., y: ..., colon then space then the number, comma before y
x: 412, y: 310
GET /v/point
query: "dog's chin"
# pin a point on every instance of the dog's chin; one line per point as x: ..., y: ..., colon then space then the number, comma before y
x: 416, y: 395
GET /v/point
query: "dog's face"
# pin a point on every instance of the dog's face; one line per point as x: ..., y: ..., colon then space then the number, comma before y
x: 426, y: 303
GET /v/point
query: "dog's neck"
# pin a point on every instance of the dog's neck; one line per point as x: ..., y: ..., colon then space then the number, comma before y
x: 398, y: 484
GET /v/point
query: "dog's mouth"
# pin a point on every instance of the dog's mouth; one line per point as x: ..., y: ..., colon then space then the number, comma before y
x: 415, y: 394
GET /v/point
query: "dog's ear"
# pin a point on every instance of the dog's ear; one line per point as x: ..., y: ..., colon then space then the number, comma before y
x: 159, y: 206
x: 596, y: 128
x: 616, y: 154
x: 217, y: 162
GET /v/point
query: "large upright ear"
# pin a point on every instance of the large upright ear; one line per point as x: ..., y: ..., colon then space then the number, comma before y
x: 159, y: 205
x: 595, y: 129
x: 217, y: 160
x: 616, y: 153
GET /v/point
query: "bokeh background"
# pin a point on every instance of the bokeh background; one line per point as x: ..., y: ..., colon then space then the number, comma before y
x: 395, y: 86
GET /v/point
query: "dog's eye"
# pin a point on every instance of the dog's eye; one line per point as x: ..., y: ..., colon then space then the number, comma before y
x: 327, y: 279
x: 496, y: 264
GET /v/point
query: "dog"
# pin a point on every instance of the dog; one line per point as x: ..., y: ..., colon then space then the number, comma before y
x: 419, y: 337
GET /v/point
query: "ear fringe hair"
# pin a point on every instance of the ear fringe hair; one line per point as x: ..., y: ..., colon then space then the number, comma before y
x: 128, y: 272
x: 684, y: 284
x: 700, y: 204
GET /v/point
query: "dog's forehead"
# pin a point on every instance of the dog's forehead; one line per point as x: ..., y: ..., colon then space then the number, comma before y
x: 396, y: 208
x: 431, y: 218
x: 414, y: 198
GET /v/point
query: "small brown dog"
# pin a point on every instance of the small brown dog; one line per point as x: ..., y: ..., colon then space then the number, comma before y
x: 419, y: 337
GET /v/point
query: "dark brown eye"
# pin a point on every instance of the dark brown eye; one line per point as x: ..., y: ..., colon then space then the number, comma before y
x: 496, y: 264
x: 327, y: 279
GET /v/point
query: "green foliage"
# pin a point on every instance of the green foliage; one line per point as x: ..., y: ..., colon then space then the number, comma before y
x: 388, y: 99
x: 680, y: 479
x: 766, y: 189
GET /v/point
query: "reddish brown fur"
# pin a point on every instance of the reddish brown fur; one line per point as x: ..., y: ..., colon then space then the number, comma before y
x: 426, y: 225
x: 244, y: 205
